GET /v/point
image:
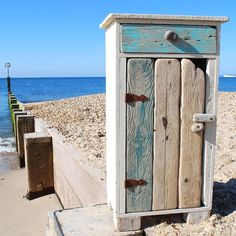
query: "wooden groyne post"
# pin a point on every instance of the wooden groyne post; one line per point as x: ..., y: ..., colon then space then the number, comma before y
x: 15, y: 114
x: 39, y: 164
x: 25, y: 124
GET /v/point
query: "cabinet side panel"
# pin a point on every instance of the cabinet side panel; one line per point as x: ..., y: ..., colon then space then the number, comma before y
x: 122, y: 135
x: 139, y: 154
x: 112, y: 110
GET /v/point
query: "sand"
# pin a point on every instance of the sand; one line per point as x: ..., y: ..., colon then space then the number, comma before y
x: 82, y: 122
x: 19, y: 216
x: 8, y: 161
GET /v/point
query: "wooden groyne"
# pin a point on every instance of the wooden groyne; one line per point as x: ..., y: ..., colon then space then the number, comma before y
x: 52, y: 169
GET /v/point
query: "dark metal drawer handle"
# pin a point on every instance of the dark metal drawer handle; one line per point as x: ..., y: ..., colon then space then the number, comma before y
x: 171, y: 36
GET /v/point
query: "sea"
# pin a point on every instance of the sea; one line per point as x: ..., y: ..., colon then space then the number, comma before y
x: 52, y: 88
x: 36, y: 90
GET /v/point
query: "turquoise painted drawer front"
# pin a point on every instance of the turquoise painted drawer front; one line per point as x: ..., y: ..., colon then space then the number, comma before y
x: 143, y: 38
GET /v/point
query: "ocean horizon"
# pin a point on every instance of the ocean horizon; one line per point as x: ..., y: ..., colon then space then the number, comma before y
x: 37, y: 89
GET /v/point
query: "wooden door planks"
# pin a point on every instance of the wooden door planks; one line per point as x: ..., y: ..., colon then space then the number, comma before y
x: 177, y: 164
x: 166, y: 135
x: 139, y: 152
x: 192, y: 101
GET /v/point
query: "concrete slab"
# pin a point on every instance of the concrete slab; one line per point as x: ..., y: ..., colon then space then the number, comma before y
x: 86, y: 221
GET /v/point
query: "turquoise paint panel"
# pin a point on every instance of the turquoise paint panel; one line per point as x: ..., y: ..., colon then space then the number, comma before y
x: 150, y: 39
x: 139, y: 134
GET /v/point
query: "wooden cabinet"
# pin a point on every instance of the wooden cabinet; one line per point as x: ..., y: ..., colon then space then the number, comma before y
x: 162, y: 82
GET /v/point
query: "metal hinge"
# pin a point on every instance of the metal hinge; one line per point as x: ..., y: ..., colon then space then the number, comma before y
x: 130, y: 97
x: 129, y: 183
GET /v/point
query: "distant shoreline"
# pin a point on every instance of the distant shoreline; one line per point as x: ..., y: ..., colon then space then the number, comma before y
x: 228, y: 76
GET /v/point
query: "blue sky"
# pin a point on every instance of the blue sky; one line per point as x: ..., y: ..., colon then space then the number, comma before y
x: 63, y: 38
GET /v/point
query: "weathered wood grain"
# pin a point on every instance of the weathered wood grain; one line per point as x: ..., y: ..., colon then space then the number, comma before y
x: 125, y: 224
x: 192, y: 101
x: 139, y: 153
x: 166, y: 135
x: 150, y: 38
x: 171, y: 19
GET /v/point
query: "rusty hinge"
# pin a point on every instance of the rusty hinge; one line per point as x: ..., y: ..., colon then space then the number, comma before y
x: 129, y: 183
x: 130, y: 97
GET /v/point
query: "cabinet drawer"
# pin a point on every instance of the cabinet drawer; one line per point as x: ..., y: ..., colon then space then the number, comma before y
x: 143, y: 38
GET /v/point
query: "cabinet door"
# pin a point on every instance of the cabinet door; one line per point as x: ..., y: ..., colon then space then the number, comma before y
x: 139, y: 135
x: 163, y: 153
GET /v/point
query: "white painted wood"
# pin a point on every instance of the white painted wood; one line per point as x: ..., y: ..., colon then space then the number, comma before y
x: 174, y: 19
x: 122, y: 136
x: 215, y: 109
x: 166, y: 212
x: 209, y: 134
x: 179, y: 22
x: 196, y: 217
x: 203, y: 118
x: 170, y: 55
x: 112, y: 111
x: 197, y: 127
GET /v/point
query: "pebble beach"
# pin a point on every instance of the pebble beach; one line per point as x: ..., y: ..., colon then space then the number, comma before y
x: 81, y: 121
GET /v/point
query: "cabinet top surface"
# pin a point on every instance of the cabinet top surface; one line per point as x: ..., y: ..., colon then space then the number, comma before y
x: 172, y: 19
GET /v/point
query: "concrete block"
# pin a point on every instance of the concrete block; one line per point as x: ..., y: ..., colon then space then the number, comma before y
x: 87, y: 221
x: 25, y: 124
x: 39, y: 164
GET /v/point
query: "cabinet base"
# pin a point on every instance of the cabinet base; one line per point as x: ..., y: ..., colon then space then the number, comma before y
x: 127, y: 223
